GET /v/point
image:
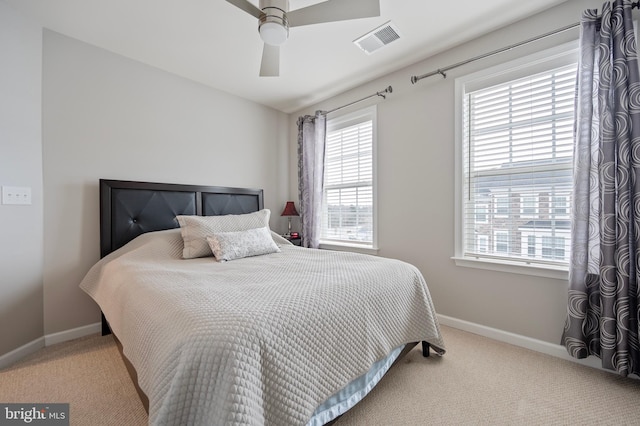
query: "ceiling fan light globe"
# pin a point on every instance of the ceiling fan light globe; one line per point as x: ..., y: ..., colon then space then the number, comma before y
x: 273, y: 33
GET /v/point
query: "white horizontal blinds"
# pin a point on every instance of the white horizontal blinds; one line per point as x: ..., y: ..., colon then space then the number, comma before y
x: 348, y: 182
x: 518, y: 168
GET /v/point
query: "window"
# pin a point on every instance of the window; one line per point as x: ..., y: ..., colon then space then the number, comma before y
x: 553, y: 247
x: 483, y: 243
x: 560, y: 206
x: 482, y: 209
x: 349, y: 190
x: 531, y: 245
x: 502, y: 205
x: 502, y: 242
x: 515, y: 147
x: 529, y: 206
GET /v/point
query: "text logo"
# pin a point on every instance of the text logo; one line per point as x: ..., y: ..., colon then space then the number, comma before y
x: 34, y: 414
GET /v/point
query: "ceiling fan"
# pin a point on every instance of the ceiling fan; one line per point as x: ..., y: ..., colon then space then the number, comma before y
x: 275, y: 19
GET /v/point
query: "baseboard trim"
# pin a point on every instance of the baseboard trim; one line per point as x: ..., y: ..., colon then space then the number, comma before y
x: 17, y: 354
x: 74, y: 333
x: 50, y: 339
x: 541, y: 346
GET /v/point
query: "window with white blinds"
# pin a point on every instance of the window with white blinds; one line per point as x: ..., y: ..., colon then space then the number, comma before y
x: 348, y: 203
x: 517, y: 150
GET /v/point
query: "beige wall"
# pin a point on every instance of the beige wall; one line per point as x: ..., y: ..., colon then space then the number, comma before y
x: 20, y: 165
x: 416, y: 184
x: 105, y: 116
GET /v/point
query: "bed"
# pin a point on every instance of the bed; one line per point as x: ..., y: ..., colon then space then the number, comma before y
x: 293, y: 336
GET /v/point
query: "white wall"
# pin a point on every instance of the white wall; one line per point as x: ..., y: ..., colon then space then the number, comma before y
x: 20, y: 165
x: 105, y: 116
x: 416, y: 183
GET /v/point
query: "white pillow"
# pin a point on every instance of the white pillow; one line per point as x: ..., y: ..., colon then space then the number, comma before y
x: 236, y: 245
x: 195, y: 229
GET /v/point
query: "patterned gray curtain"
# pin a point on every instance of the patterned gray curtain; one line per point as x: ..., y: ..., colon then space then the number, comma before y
x: 311, y: 141
x: 603, y: 314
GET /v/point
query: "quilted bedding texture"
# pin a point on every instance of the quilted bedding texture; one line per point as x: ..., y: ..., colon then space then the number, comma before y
x: 259, y: 340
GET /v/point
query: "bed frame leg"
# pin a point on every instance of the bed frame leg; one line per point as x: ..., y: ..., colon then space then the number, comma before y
x: 106, y: 330
x: 425, y: 349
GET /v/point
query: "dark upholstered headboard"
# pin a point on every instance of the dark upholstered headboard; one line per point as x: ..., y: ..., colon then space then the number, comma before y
x: 128, y: 209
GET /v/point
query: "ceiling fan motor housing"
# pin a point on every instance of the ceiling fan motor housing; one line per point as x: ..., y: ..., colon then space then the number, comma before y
x: 273, y: 24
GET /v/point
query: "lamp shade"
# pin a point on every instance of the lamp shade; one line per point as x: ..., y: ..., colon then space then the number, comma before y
x: 273, y: 33
x: 290, y: 209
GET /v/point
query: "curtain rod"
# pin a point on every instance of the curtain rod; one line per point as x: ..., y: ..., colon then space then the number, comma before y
x: 442, y: 71
x: 381, y: 94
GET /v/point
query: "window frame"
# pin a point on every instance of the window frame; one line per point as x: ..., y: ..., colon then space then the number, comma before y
x: 527, y: 65
x: 344, y: 120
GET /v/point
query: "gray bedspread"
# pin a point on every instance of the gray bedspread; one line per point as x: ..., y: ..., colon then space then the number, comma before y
x: 259, y: 340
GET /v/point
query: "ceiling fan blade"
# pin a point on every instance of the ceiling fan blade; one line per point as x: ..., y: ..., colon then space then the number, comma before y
x: 270, y: 66
x: 247, y: 7
x: 333, y: 10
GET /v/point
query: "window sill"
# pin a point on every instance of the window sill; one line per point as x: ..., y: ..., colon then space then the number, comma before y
x: 547, y: 271
x: 349, y: 247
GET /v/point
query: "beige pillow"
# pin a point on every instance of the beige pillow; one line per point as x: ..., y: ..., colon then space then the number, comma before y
x: 239, y: 244
x: 196, y: 229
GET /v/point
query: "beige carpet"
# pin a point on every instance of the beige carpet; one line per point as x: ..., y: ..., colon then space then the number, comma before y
x: 478, y: 382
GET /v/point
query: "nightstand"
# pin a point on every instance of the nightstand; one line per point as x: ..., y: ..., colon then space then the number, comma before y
x: 295, y: 241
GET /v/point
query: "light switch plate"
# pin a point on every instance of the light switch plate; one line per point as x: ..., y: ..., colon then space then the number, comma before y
x: 16, y: 195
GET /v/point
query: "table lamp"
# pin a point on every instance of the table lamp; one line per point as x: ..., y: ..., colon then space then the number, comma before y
x: 289, y: 210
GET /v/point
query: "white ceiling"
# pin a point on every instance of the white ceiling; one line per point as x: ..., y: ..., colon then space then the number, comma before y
x: 217, y: 44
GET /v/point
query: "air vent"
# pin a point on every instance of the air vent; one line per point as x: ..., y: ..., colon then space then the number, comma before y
x: 378, y: 38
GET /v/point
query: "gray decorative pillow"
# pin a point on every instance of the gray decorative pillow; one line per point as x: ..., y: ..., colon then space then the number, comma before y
x: 195, y: 229
x: 236, y: 245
